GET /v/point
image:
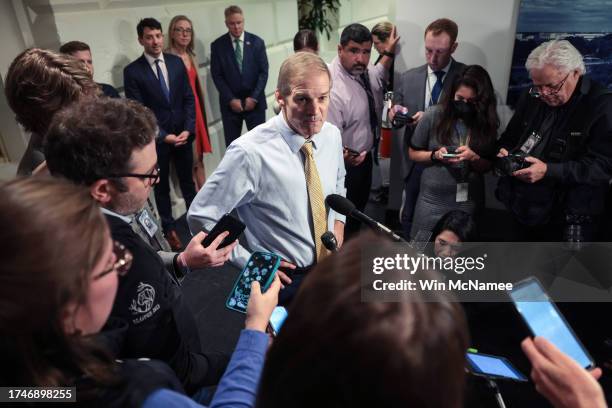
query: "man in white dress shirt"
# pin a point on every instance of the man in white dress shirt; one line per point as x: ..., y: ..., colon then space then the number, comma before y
x: 269, y: 177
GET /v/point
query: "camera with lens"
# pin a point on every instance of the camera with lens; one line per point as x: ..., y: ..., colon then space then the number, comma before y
x: 401, y: 119
x: 507, y: 165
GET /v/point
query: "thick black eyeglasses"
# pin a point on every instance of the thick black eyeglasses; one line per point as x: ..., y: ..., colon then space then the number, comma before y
x: 153, y: 176
x: 122, y: 264
x: 537, y: 90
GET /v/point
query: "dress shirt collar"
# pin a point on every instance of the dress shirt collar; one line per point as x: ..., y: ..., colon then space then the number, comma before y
x: 151, y: 59
x: 126, y: 218
x: 445, y: 69
x: 241, y: 38
x: 294, y: 140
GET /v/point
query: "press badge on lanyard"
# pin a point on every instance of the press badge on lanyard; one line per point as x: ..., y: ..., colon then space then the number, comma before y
x: 462, y: 192
x: 145, y: 220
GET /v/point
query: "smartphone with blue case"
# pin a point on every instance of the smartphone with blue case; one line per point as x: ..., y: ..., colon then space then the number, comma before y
x: 260, y: 267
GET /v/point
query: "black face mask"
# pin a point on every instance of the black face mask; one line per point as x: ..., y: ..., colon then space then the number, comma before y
x: 464, y: 110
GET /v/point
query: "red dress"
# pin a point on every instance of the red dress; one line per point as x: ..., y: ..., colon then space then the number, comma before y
x: 202, y: 141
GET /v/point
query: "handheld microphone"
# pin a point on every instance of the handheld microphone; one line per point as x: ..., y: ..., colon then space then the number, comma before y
x: 329, y: 241
x: 346, y: 207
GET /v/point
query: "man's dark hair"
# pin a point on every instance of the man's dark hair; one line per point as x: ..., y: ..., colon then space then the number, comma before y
x: 355, y: 32
x: 305, y: 39
x: 74, y: 46
x: 148, y: 22
x: 95, y: 138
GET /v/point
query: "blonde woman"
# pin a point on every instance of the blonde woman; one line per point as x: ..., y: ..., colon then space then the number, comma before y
x: 181, y: 37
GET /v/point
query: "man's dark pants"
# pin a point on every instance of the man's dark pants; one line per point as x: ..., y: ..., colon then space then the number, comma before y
x: 183, y: 162
x: 358, y: 182
x: 232, y: 122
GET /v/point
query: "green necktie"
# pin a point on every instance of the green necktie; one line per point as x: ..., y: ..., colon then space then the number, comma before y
x: 238, y: 54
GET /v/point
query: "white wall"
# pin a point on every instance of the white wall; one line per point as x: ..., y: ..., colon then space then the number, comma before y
x: 109, y: 27
x: 486, y: 33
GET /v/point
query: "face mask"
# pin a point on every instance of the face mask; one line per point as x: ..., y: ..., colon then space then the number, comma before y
x: 464, y: 110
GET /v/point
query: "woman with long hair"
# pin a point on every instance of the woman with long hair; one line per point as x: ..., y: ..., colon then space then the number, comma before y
x: 181, y: 39
x: 58, y: 280
x: 456, y: 138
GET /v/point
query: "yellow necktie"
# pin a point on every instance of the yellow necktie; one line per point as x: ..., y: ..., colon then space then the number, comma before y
x: 315, y: 197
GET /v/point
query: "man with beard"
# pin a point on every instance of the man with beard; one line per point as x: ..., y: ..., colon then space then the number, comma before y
x: 356, y: 108
x: 108, y: 145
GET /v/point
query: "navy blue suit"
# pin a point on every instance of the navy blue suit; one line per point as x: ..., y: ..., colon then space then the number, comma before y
x: 233, y: 84
x: 173, y: 117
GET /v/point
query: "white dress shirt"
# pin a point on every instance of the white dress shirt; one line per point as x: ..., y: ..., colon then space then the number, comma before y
x: 431, y: 81
x: 241, y: 39
x: 262, y: 176
x: 162, y: 65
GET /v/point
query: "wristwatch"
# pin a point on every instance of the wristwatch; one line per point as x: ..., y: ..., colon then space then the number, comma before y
x: 388, y: 54
x: 433, y: 157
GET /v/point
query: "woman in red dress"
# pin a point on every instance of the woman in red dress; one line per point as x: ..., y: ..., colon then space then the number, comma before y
x: 181, y: 37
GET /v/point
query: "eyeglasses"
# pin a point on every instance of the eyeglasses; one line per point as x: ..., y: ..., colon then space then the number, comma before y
x: 538, y: 90
x: 122, y: 264
x: 187, y: 31
x: 153, y: 176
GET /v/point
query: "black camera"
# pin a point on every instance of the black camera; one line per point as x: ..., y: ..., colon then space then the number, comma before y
x: 401, y: 119
x: 507, y: 165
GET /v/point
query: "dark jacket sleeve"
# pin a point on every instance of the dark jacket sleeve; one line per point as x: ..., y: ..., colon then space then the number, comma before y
x: 216, y: 70
x: 514, y: 130
x: 160, y: 325
x: 188, y: 102
x: 594, y: 167
x: 262, y: 65
x: 132, y: 91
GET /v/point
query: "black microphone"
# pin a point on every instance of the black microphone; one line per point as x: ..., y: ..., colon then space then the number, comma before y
x: 329, y: 241
x: 346, y: 207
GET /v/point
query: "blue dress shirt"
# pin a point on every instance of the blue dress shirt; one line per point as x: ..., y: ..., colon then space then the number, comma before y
x: 262, y: 176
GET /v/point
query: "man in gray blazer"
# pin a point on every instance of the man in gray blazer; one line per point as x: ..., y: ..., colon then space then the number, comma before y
x: 417, y: 89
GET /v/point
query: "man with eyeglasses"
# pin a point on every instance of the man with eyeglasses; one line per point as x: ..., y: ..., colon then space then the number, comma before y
x: 417, y: 89
x: 109, y: 146
x: 560, y: 139
x: 159, y: 81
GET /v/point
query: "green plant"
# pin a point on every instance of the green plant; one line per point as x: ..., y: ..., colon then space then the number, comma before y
x: 317, y: 15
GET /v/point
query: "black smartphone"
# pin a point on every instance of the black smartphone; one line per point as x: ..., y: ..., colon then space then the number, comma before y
x: 226, y: 223
x: 352, y: 152
x: 260, y: 267
x: 544, y: 319
x: 493, y: 367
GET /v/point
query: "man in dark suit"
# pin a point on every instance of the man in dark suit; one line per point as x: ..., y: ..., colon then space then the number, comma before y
x: 82, y: 52
x: 239, y: 67
x: 159, y: 81
x: 417, y: 89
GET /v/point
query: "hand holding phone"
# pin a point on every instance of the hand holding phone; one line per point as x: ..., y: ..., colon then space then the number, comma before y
x: 261, y: 306
x: 261, y: 268
x: 451, y: 152
x: 544, y: 319
x: 234, y: 226
x: 351, y: 152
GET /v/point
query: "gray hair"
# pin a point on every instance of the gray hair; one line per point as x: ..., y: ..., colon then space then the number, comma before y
x: 560, y: 54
